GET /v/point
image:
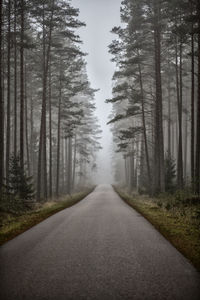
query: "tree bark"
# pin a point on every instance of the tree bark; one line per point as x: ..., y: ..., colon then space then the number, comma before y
x: 50, y: 136
x: 1, y: 102
x: 15, y: 79
x: 31, y: 135
x: 66, y: 162
x: 186, y: 147
x: 69, y: 177
x: 172, y: 139
x: 144, y: 129
x: 42, y: 163
x: 62, y: 173
x: 22, y: 86
x: 26, y: 122
x: 8, y: 96
x: 192, y: 111
x: 159, y: 183
x: 179, y: 102
x: 197, y: 167
x: 58, y: 140
x: 74, y: 162
x: 132, y: 172
x: 169, y: 113
x: 125, y: 169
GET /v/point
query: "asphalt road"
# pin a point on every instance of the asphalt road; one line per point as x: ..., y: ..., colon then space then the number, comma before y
x: 99, y: 249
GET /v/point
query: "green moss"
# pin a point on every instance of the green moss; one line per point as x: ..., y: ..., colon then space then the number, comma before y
x: 13, y: 225
x: 179, y: 225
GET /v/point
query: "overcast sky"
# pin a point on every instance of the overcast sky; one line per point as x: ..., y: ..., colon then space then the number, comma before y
x: 100, y: 17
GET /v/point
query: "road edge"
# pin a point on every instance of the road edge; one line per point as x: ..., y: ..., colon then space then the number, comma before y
x: 162, y: 229
x: 22, y: 223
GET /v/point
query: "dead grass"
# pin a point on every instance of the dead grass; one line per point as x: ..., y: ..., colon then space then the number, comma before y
x: 180, y: 225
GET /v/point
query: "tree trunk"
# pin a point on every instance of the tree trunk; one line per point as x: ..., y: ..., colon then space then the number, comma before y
x: 125, y: 169
x: 74, y: 163
x: 192, y: 109
x: 58, y: 140
x: 69, y: 177
x: 50, y: 135
x: 172, y: 139
x: 22, y: 86
x: 186, y: 146
x: 128, y: 170
x: 132, y: 173
x: 63, y: 159
x: 179, y: 100
x: 15, y: 79
x: 42, y: 163
x: 66, y: 162
x: 137, y: 162
x: 144, y: 129
x: 159, y: 183
x: 197, y: 167
x: 31, y: 135
x: 42, y: 141
x: 169, y: 113
x: 1, y: 103
x: 26, y: 123
x: 8, y: 96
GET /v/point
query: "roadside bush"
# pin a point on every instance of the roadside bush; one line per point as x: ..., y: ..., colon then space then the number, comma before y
x: 142, y: 191
x: 180, y: 196
x: 11, y: 204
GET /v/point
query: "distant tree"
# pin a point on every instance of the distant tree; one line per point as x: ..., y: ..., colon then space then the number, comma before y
x: 47, y: 28
x: 131, y: 54
x: 170, y: 173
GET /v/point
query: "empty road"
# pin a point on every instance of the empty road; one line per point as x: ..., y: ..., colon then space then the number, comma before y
x: 99, y: 249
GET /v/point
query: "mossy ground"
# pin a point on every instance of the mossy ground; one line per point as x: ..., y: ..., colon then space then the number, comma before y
x: 12, y: 225
x: 180, y: 225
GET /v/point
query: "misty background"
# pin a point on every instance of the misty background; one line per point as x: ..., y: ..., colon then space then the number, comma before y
x: 100, y: 17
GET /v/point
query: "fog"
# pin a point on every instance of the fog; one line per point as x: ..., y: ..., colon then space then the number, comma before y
x: 100, y: 17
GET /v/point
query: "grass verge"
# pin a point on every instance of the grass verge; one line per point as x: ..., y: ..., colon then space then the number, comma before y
x: 12, y: 225
x: 181, y: 229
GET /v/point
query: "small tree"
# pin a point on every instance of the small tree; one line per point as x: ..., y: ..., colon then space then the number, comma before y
x: 170, y: 172
x: 19, y: 185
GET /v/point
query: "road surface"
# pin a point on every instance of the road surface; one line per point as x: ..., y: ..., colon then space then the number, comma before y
x: 99, y: 249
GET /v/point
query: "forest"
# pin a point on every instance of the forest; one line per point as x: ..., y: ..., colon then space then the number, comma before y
x: 99, y: 149
x: 156, y: 96
x: 49, y: 134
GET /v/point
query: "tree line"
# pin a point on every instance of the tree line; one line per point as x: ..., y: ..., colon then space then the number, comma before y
x: 48, y: 129
x: 156, y: 95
